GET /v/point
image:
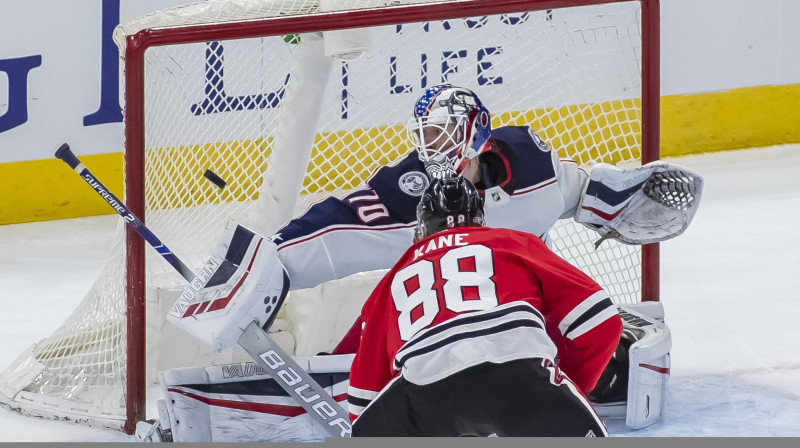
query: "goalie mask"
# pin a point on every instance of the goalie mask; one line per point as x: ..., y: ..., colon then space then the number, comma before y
x: 447, y: 203
x: 449, y: 127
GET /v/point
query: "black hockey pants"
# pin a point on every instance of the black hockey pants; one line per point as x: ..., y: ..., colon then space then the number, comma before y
x: 512, y: 399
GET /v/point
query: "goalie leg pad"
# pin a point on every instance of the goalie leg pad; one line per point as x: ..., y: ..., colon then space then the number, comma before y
x: 648, y: 374
x: 634, y: 383
x: 243, y: 281
x: 240, y: 402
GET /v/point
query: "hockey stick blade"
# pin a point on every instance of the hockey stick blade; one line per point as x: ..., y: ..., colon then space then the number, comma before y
x: 65, y: 153
x: 296, y: 381
x: 318, y: 403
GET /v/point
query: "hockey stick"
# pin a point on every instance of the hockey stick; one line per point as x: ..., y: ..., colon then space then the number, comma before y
x: 254, y: 340
x: 65, y: 153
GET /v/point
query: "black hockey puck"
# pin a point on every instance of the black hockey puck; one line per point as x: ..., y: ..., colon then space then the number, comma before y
x: 216, y: 180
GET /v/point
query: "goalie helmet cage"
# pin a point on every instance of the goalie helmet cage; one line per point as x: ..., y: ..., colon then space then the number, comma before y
x: 244, y: 88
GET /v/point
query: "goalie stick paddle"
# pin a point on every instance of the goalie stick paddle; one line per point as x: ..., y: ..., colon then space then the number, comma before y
x: 265, y: 352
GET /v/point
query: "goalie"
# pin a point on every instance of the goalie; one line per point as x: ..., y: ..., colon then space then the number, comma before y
x: 525, y: 185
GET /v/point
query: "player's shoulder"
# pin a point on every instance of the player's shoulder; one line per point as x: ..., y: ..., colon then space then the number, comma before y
x: 496, y: 236
x: 400, y: 185
x: 404, y: 177
x: 520, y: 139
x: 501, y: 240
x: 510, y: 234
x: 526, y: 156
x: 514, y: 243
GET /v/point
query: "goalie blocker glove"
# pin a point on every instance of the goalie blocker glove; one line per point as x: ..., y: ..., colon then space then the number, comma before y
x: 652, y: 203
x: 243, y: 281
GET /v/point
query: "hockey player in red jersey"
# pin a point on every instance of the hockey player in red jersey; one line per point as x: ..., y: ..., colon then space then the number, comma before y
x: 479, y: 331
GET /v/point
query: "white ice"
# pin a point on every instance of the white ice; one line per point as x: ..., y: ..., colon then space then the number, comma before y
x: 727, y: 285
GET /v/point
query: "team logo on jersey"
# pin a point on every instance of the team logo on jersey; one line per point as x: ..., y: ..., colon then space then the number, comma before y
x: 540, y: 143
x: 413, y: 183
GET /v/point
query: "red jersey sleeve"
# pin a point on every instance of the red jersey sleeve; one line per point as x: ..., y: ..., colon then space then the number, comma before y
x: 370, y: 371
x: 581, y: 317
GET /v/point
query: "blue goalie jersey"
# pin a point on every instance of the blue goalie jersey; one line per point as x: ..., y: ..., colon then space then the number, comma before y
x: 526, y: 187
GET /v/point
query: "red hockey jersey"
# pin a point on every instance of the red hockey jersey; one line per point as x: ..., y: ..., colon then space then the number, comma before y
x: 474, y: 294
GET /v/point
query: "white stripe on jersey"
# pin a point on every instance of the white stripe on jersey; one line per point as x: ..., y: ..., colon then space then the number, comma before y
x: 583, y: 312
x: 353, y: 406
x: 596, y: 320
x: 361, y: 393
x: 511, y: 331
x: 355, y: 409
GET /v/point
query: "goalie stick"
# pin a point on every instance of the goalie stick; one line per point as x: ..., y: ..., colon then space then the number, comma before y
x: 254, y: 340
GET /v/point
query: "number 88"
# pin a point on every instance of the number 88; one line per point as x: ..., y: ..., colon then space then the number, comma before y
x: 454, y: 281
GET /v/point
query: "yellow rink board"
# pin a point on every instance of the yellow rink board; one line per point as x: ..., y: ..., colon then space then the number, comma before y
x: 734, y: 119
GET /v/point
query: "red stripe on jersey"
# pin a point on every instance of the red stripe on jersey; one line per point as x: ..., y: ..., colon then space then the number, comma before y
x: 508, y: 168
x: 535, y: 187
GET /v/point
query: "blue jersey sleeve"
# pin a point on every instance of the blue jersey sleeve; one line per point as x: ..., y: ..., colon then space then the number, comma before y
x: 366, y: 230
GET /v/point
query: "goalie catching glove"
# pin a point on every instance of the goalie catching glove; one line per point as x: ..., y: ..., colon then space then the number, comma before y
x: 243, y: 281
x: 652, y: 203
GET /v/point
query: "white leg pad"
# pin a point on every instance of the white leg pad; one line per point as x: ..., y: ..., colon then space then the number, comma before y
x: 240, y: 403
x: 649, y: 368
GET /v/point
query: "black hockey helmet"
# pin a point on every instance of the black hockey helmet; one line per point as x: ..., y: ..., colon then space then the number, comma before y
x: 446, y: 203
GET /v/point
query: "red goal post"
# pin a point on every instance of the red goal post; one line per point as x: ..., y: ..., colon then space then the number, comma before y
x: 283, y: 124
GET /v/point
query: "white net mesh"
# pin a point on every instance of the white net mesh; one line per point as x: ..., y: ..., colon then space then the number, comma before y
x: 573, y: 74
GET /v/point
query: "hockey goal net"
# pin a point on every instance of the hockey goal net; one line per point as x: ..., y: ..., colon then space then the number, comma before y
x: 290, y: 100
